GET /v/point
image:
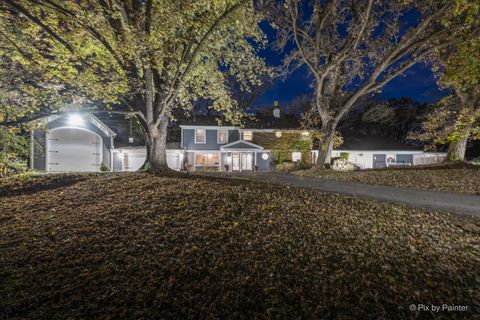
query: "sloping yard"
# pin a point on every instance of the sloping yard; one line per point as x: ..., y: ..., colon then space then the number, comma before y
x: 139, y: 246
x: 450, y: 178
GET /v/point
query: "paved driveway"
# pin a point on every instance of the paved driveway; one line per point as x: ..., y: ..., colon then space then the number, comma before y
x: 440, y: 201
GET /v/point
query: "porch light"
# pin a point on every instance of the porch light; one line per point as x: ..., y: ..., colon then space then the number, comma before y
x: 130, y: 137
x: 75, y: 120
x: 265, y: 156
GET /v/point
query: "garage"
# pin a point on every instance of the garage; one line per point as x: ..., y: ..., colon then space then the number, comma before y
x: 73, y: 150
x: 379, y: 161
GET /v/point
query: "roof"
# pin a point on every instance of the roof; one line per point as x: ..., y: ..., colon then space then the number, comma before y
x: 370, y: 142
x: 204, y: 121
x: 64, y: 118
x: 262, y: 119
x: 241, y: 144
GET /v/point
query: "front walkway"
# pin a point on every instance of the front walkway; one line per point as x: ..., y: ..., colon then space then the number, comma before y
x: 433, y: 200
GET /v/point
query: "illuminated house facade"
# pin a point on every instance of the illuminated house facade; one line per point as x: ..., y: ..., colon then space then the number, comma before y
x: 83, y: 143
x: 223, y: 148
x: 80, y: 142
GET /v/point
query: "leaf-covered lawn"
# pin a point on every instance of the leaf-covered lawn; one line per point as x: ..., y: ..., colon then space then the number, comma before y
x: 137, y: 246
x: 450, y: 178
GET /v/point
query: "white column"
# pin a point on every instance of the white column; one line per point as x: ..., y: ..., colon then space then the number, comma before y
x: 32, y: 150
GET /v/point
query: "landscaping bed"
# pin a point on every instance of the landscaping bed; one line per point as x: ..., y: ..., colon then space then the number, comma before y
x: 449, y: 178
x: 137, y: 246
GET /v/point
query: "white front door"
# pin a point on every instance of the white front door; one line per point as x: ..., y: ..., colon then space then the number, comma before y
x: 235, y: 162
x: 247, y: 161
x: 70, y: 149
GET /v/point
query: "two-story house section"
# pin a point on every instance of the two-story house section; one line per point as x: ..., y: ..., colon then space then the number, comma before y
x: 222, y: 148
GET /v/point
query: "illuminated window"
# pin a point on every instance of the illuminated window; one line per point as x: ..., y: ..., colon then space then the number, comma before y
x: 200, y: 136
x: 296, y: 156
x: 207, y: 159
x: 222, y: 136
x: 247, y: 135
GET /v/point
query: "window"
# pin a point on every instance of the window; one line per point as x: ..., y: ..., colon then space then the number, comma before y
x: 207, y: 159
x: 296, y: 156
x: 247, y: 135
x: 200, y: 136
x: 222, y: 136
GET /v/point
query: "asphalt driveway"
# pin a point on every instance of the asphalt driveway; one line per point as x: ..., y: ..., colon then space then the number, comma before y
x: 433, y: 200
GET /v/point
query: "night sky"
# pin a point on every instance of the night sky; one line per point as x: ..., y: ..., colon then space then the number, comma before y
x: 418, y: 83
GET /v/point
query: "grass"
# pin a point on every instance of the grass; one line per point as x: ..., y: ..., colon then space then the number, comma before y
x: 449, y: 178
x: 139, y: 246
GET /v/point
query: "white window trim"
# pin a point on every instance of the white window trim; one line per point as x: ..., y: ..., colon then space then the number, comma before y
x: 218, y: 135
x: 205, y: 136
x: 206, y: 152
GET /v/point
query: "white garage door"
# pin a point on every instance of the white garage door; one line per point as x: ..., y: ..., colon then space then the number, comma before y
x: 133, y: 159
x: 73, y: 150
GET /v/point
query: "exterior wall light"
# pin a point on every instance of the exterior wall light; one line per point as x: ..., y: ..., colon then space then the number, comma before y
x: 265, y: 156
x: 75, y: 120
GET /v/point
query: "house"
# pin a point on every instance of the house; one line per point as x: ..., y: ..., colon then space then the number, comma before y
x: 223, y: 148
x: 81, y: 142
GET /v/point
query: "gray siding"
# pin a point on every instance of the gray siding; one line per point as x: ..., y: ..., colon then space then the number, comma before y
x: 106, y: 156
x: 264, y: 165
x: 233, y: 135
x: 211, y: 140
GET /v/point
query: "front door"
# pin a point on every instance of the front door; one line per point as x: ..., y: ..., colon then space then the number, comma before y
x: 247, y: 161
x: 236, y: 162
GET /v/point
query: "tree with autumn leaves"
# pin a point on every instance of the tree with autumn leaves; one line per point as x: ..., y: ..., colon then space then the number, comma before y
x: 456, y: 119
x: 148, y: 56
x: 353, y: 48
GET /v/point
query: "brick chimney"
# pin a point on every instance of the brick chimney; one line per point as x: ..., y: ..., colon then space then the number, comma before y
x: 276, y: 109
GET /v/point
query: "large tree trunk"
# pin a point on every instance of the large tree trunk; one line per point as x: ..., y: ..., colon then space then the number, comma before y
x: 457, y: 149
x: 156, y: 140
x: 325, y: 146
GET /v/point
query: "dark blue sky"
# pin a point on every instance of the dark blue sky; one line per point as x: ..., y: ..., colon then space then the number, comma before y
x: 417, y: 83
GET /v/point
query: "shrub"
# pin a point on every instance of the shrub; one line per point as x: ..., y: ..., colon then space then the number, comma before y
x: 342, y: 164
x: 13, y: 153
x: 286, y: 166
x: 344, y: 155
x: 104, y: 168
